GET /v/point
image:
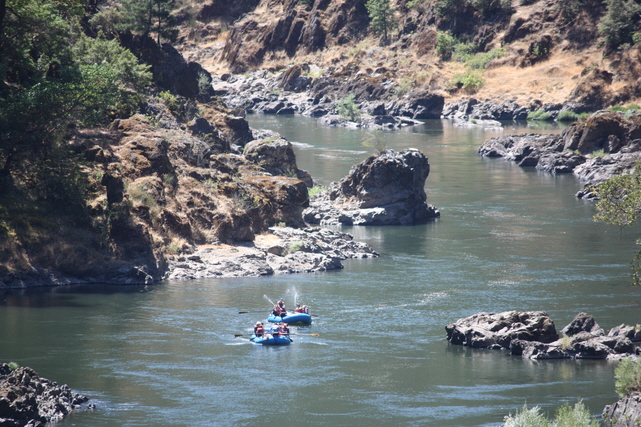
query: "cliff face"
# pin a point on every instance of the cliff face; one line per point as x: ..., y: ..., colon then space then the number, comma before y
x: 550, y: 49
x: 154, y: 187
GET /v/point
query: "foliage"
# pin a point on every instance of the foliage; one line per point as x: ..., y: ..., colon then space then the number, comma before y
x: 620, y: 204
x: 295, y: 246
x: 470, y: 82
x: 445, y: 44
x: 464, y: 51
x: 170, y: 100
x: 57, y: 76
x: 618, y: 25
x: 480, y: 60
x: 574, y: 416
x: 13, y: 366
x: 315, y: 190
x: 382, y: 17
x: 375, y: 139
x: 527, y: 418
x: 140, y: 16
x: 565, y: 416
x: 627, y: 376
x: 348, y: 108
x: 597, y: 153
x: 487, y: 8
x: 567, y: 116
x: 540, y: 115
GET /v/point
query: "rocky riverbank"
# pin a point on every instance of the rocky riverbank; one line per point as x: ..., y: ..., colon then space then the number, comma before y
x: 294, y: 91
x: 593, y: 149
x: 283, y: 250
x: 27, y: 399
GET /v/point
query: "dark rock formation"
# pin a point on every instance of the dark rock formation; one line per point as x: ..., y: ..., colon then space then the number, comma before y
x: 385, y: 189
x: 29, y: 400
x: 532, y: 335
x: 498, y: 330
x: 626, y: 412
x: 594, y: 149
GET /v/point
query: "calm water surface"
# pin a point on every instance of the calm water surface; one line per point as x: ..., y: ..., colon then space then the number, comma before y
x: 508, y: 239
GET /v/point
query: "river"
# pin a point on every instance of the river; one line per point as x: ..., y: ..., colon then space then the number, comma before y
x: 508, y: 239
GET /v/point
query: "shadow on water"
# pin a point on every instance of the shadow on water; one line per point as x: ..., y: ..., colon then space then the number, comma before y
x: 63, y: 296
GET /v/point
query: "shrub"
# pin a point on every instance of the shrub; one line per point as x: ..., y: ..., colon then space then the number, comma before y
x: 13, y: 366
x: 470, y: 82
x: 348, y: 108
x: 627, y: 376
x: 574, y: 416
x: 295, y: 246
x: 598, y: 153
x: 527, y: 418
x: 445, y: 43
x: 567, y: 116
x: 315, y: 190
x: 540, y: 115
x: 480, y: 60
x: 170, y: 100
x: 463, y: 52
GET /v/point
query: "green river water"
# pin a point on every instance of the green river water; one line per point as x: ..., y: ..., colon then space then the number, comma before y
x: 508, y: 239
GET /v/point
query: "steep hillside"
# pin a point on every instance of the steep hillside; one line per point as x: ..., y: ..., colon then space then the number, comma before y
x: 545, y: 51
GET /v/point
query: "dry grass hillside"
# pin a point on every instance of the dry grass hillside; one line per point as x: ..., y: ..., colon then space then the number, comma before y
x: 240, y: 40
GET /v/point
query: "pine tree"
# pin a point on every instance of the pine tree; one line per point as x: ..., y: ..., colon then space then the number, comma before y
x: 150, y: 16
x: 382, y: 17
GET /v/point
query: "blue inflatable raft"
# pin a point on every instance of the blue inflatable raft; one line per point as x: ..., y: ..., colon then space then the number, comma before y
x: 269, y: 339
x: 292, y: 319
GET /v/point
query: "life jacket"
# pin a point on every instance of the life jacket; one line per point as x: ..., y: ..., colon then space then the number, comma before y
x: 259, y: 330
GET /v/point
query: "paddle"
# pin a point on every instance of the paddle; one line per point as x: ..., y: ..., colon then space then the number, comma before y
x: 244, y: 312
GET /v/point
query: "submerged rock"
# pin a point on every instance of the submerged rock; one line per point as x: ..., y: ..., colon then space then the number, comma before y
x: 385, y: 189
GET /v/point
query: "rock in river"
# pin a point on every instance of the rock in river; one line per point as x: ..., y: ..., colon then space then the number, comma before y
x: 385, y: 189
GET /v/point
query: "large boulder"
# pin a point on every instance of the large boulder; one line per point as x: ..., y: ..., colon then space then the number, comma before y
x: 385, y: 189
x: 583, y: 322
x: 498, y: 330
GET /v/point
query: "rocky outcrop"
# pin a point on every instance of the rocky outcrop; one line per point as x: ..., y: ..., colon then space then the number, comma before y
x: 498, y: 330
x: 594, y: 149
x: 385, y: 189
x: 283, y: 250
x: 29, y: 400
x: 626, y: 412
x: 532, y: 335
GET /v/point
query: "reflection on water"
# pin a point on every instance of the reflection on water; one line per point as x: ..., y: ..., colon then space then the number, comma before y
x: 508, y: 239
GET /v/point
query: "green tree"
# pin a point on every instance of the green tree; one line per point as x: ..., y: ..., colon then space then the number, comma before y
x: 618, y: 25
x: 628, y: 376
x: 620, y: 204
x: 149, y: 16
x: 382, y: 17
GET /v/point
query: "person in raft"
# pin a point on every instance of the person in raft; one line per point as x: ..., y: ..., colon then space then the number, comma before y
x: 259, y: 330
x: 279, y: 309
x: 284, y: 329
x: 302, y: 309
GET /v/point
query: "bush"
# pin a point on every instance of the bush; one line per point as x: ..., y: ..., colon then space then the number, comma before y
x: 567, y: 116
x: 540, y: 115
x: 348, y: 108
x: 627, y: 377
x: 566, y: 416
x: 527, y: 418
x: 470, y: 82
x: 574, y: 416
x: 445, y: 44
x: 315, y: 190
x: 480, y: 60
